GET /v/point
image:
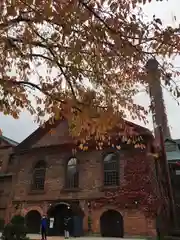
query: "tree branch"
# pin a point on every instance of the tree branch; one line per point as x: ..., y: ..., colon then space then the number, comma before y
x: 35, y: 86
x: 112, y: 30
x: 57, y: 62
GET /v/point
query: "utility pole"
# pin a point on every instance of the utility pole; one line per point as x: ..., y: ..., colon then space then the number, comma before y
x: 160, y: 124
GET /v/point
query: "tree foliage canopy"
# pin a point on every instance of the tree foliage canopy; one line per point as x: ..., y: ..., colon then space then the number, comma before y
x: 89, y: 55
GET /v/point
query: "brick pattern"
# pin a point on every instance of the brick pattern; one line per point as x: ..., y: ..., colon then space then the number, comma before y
x: 4, y: 159
x: 135, y: 223
x: 90, y: 187
x: 90, y: 176
x: 5, y: 183
x: 56, y: 136
x: 90, y: 183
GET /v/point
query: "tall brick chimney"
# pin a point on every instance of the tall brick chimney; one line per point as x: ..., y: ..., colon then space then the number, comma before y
x: 157, y: 101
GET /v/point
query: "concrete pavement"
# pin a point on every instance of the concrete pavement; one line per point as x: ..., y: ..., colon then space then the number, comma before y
x: 38, y: 237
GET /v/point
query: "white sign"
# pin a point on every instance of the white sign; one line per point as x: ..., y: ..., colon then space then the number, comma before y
x: 51, y: 223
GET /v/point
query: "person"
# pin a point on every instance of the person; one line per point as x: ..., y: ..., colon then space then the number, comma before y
x: 44, y: 227
x: 66, y: 227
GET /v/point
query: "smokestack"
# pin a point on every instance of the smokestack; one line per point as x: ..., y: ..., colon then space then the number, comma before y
x: 157, y: 101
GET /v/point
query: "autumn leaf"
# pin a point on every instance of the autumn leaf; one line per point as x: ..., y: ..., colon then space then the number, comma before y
x: 74, y: 59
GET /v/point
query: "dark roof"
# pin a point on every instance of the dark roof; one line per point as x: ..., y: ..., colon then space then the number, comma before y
x: 177, y: 141
x: 41, y: 131
x: 172, y: 140
x: 9, y: 141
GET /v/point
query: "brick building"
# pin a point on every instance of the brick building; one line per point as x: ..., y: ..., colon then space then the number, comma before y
x: 6, y: 148
x: 44, y: 176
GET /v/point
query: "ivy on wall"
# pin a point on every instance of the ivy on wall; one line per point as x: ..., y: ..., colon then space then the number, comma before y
x: 139, y: 190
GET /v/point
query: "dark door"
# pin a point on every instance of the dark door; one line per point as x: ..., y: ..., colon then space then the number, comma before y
x: 33, y: 221
x: 111, y: 224
x: 59, y: 212
x: 59, y: 224
x: 77, y: 226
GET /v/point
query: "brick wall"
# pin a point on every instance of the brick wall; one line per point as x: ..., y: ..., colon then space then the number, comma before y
x: 134, y: 221
x: 5, y: 193
x: 55, y: 136
x: 90, y: 175
x: 4, y: 159
x: 5, y: 179
x: 90, y: 187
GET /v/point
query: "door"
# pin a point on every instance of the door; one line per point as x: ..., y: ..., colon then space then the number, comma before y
x: 111, y: 224
x: 77, y: 226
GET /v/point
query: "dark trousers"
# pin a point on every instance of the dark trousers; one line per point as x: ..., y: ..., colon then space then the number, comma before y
x: 43, y: 233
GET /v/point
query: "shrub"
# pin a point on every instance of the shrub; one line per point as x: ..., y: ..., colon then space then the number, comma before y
x: 18, y: 219
x: 15, y: 230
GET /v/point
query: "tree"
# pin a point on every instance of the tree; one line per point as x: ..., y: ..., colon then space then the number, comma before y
x: 92, y: 56
x: 16, y: 229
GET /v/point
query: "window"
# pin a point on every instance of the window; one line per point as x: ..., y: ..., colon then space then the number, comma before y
x: 39, y: 176
x: 111, y: 170
x: 72, y: 174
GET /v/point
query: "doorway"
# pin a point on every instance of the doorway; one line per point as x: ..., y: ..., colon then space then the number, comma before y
x: 58, y: 213
x: 111, y: 224
x: 61, y: 210
x: 33, y: 221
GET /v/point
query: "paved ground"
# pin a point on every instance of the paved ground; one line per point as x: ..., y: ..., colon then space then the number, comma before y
x: 37, y: 237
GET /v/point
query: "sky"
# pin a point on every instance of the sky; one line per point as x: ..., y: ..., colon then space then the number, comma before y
x: 19, y: 129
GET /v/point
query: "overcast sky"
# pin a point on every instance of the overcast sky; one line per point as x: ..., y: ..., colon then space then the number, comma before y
x: 21, y: 128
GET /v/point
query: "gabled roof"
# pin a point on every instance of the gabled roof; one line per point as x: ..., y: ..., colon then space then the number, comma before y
x: 37, y: 134
x: 41, y: 131
x: 177, y: 141
x: 170, y: 140
x: 8, y: 141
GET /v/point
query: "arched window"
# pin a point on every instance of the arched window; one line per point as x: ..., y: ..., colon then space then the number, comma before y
x: 39, y: 176
x: 111, y: 170
x: 72, y: 173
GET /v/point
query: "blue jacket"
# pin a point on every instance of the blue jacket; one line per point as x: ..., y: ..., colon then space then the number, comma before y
x: 44, y: 223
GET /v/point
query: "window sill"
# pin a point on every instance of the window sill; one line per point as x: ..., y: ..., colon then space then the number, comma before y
x: 106, y: 188
x: 71, y: 189
x: 36, y: 192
